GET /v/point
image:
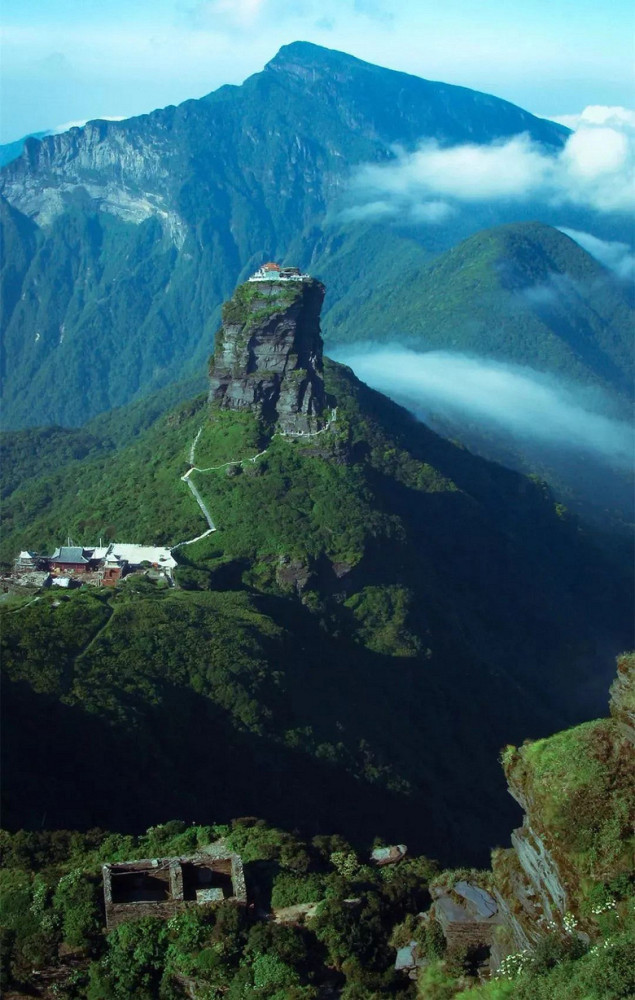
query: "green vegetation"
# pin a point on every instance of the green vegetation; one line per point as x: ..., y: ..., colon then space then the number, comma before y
x: 51, y: 908
x: 578, y: 791
x: 41, y: 646
x: 382, y: 613
x: 556, y: 972
x: 77, y: 360
x: 356, y: 578
x: 522, y: 293
x: 366, y: 588
x: 350, y: 918
x: 225, y: 437
x: 252, y: 303
x: 582, y: 783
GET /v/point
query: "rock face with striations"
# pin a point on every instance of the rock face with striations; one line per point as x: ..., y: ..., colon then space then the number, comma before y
x: 268, y: 354
x: 573, y: 851
x: 623, y: 695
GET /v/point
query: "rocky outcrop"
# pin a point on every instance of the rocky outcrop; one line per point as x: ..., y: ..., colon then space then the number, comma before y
x: 268, y: 355
x: 112, y: 167
x: 574, y: 846
x: 541, y: 871
x: 623, y: 695
x: 467, y: 914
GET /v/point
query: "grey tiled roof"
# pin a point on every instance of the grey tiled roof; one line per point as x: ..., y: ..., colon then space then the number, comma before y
x: 69, y: 554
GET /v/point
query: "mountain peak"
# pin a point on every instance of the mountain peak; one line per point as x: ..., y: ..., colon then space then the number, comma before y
x: 305, y: 59
x: 199, y: 190
x: 268, y: 353
x: 307, y: 52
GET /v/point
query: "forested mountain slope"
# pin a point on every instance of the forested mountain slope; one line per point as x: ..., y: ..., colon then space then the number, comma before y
x: 125, y: 237
x: 402, y: 608
x: 522, y: 292
x: 323, y: 918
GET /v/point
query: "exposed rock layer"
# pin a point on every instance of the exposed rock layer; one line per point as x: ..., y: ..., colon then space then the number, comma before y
x: 576, y: 790
x: 623, y: 696
x: 268, y: 355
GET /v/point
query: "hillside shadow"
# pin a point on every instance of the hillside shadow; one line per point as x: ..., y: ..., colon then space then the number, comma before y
x: 65, y: 769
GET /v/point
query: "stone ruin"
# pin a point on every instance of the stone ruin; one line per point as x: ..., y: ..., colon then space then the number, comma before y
x: 161, y: 887
x: 468, y: 916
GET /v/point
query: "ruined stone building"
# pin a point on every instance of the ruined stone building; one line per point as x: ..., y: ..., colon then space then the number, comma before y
x: 161, y: 887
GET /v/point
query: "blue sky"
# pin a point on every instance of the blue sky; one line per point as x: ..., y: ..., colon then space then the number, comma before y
x: 66, y: 61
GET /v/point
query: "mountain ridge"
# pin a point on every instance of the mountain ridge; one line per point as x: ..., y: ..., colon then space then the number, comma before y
x: 521, y: 292
x: 142, y: 227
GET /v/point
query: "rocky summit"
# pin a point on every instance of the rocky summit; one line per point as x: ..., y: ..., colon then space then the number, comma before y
x: 268, y: 354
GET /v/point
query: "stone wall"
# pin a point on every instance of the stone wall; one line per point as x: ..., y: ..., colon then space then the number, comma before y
x: 217, y: 858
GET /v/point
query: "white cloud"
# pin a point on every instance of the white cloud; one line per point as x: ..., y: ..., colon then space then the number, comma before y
x: 82, y: 121
x: 618, y: 257
x: 237, y: 13
x: 270, y: 15
x: 432, y: 212
x: 598, y: 114
x: 594, y: 169
x: 518, y: 401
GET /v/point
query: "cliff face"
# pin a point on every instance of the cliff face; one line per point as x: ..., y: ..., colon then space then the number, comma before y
x: 577, y: 791
x: 623, y: 696
x: 268, y: 355
x: 571, y: 860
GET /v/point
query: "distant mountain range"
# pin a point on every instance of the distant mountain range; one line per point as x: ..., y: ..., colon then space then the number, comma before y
x: 123, y: 238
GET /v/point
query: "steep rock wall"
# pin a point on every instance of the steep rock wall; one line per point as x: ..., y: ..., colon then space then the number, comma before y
x: 268, y: 355
x: 571, y: 860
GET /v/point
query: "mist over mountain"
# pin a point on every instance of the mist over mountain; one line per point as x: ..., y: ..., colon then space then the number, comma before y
x: 519, y: 343
x: 123, y: 238
x: 522, y: 293
x: 576, y: 438
x: 526, y: 403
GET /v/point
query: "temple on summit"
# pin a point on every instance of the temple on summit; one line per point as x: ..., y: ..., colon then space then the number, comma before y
x: 275, y: 272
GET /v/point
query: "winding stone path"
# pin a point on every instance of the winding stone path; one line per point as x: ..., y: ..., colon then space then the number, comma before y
x: 243, y: 461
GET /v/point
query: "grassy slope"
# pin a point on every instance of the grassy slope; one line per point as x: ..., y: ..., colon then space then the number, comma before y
x: 581, y: 784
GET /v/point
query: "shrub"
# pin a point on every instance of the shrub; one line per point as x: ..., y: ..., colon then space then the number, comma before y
x: 76, y: 899
x: 133, y: 964
x: 290, y: 889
